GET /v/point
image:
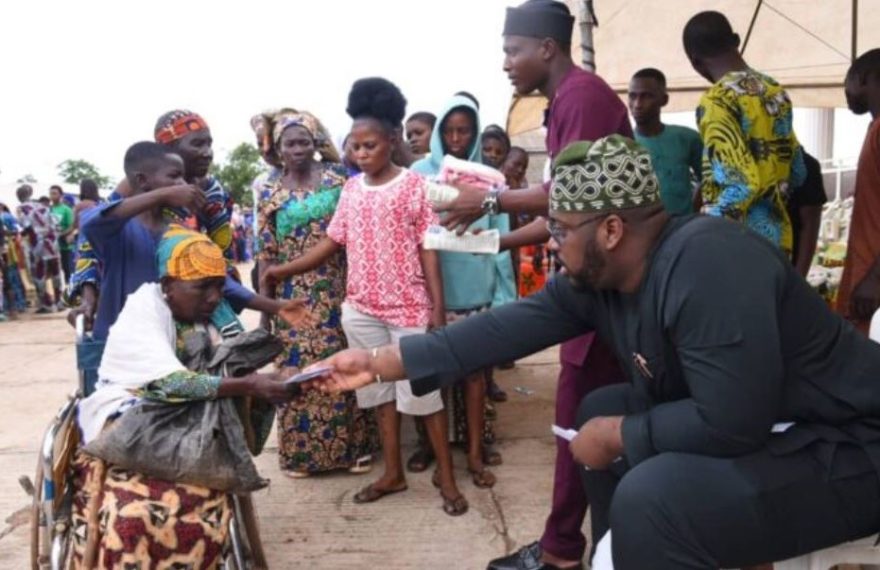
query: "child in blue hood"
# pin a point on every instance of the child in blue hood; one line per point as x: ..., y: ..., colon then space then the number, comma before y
x: 470, y: 283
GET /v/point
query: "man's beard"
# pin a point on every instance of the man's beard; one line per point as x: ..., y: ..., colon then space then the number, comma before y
x: 587, y: 278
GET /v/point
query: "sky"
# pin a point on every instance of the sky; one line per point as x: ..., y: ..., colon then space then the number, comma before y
x: 86, y: 80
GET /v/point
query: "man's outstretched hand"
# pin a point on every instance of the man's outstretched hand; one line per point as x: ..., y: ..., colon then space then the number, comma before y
x: 352, y: 369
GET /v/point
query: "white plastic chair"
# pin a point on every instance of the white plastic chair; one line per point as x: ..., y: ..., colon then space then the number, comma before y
x: 602, y: 558
x: 874, y: 332
x: 857, y: 552
x: 860, y: 551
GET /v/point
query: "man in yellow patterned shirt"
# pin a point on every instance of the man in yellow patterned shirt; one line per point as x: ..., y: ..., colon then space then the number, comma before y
x: 751, y: 157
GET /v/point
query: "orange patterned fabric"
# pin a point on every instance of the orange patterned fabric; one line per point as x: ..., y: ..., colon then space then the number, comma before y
x: 532, y: 275
x: 863, y: 248
x: 178, y: 125
x: 189, y: 256
x: 145, y: 522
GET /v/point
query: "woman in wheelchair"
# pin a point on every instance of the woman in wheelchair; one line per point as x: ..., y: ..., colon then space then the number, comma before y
x: 168, y: 434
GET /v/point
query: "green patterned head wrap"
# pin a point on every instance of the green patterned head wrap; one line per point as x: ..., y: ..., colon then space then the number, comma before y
x: 611, y: 174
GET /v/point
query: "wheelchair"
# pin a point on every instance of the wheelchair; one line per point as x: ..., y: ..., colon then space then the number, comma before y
x: 52, y: 488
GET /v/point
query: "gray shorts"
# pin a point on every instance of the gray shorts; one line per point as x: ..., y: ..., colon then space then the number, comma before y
x: 365, y: 331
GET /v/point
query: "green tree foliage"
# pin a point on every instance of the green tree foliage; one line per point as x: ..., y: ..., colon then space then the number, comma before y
x: 27, y: 179
x: 239, y: 170
x: 74, y: 171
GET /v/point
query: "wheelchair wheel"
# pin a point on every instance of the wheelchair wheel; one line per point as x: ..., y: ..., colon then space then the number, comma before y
x: 239, y: 554
x: 50, y: 547
x: 52, y: 499
x: 38, y: 522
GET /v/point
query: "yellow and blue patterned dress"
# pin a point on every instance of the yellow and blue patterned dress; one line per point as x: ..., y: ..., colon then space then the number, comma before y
x: 316, y: 432
x: 751, y: 156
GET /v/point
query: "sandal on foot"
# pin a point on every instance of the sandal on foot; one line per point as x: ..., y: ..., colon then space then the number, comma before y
x: 484, y: 479
x: 495, y: 393
x: 297, y: 474
x: 370, y: 493
x: 491, y: 413
x: 454, y: 507
x: 362, y: 465
x: 420, y: 460
x: 492, y: 457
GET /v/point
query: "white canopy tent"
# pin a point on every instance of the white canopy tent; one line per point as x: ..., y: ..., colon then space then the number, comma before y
x: 806, y: 45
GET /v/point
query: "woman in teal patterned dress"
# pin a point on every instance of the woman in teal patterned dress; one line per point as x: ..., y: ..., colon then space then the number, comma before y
x: 317, y: 432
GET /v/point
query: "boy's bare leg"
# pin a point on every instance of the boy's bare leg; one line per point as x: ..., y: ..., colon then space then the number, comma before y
x: 437, y: 425
x: 389, y: 430
x: 475, y: 405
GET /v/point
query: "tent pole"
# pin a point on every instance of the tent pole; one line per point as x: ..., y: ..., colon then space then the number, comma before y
x: 751, y: 27
x: 855, y: 31
x: 587, y: 23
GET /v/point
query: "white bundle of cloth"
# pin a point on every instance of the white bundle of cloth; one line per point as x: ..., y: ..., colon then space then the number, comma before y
x: 140, y: 349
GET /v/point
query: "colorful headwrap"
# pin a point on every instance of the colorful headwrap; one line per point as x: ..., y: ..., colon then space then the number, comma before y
x: 613, y: 173
x: 177, y: 124
x: 287, y: 120
x: 269, y: 126
x: 187, y: 255
x: 262, y: 126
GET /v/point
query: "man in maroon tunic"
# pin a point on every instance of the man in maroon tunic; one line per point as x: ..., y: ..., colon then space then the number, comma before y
x: 537, y: 47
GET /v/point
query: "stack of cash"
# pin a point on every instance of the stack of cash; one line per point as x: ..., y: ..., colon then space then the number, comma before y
x: 439, y: 238
x: 439, y: 194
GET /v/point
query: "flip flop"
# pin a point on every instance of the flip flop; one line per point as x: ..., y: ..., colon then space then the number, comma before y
x: 454, y: 507
x: 420, y: 460
x: 370, y: 494
x: 491, y: 412
x: 495, y: 393
x: 484, y: 479
x: 293, y: 474
x: 491, y: 457
x: 362, y: 465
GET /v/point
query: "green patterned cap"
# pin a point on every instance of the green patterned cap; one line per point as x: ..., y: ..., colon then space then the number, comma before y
x: 612, y: 173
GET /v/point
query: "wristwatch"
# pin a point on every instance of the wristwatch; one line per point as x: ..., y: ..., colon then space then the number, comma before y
x: 490, y: 203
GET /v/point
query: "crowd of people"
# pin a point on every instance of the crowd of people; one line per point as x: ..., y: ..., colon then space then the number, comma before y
x: 716, y: 430
x: 36, y: 243
x: 686, y: 339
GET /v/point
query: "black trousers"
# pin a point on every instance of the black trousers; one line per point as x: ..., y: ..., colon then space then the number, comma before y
x: 679, y: 510
x: 67, y: 264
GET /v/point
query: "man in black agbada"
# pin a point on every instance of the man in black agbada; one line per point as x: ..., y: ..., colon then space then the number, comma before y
x: 749, y: 431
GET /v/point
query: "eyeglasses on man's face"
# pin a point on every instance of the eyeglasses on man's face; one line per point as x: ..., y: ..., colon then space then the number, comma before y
x: 560, y: 231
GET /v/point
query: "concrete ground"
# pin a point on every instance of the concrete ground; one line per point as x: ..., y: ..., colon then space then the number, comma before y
x: 310, y: 523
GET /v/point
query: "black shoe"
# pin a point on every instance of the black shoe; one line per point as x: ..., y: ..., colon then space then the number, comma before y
x: 526, y: 558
